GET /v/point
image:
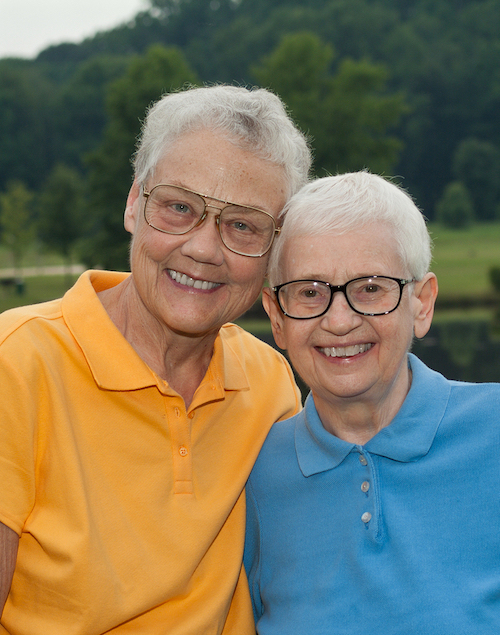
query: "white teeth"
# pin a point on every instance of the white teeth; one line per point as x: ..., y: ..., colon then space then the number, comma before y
x: 181, y: 278
x: 346, y: 351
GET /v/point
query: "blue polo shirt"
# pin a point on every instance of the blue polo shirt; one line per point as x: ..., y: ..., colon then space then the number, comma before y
x: 399, y: 536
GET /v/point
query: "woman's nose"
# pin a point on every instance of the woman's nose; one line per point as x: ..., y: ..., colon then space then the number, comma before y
x: 340, y: 318
x: 203, y: 243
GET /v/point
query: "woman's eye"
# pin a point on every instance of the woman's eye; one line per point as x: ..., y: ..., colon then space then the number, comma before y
x: 240, y: 226
x: 182, y: 208
x: 309, y: 294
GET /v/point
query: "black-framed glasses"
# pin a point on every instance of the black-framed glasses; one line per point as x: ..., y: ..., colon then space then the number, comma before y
x: 246, y: 231
x: 371, y: 295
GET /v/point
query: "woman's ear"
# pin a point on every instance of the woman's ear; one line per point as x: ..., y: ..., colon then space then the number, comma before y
x: 132, y: 209
x: 275, y: 315
x: 425, y: 293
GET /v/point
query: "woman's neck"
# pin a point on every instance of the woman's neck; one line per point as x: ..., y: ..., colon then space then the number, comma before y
x: 359, y: 419
x: 180, y: 359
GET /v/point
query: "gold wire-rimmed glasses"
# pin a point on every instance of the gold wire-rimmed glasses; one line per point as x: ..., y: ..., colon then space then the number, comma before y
x: 176, y: 210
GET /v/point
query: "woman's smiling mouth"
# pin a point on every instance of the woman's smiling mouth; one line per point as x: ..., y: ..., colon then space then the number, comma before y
x: 345, y: 351
x: 187, y: 281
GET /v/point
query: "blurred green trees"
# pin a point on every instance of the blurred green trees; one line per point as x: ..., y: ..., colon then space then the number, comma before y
x: 455, y: 209
x: 61, y: 212
x: 347, y: 113
x: 17, y: 227
x: 403, y: 88
x: 147, y: 77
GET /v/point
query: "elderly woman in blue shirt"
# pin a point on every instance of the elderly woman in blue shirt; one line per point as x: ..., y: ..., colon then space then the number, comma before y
x: 376, y: 509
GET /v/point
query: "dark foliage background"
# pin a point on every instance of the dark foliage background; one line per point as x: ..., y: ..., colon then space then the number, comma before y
x: 404, y: 87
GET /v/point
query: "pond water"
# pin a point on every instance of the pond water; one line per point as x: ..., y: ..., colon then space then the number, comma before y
x: 469, y: 351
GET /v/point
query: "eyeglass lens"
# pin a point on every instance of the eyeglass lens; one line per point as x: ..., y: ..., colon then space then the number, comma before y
x: 308, y: 298
x: 174, y: 210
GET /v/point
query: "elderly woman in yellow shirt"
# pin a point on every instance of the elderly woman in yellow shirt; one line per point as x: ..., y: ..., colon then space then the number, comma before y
x: 132, y: 410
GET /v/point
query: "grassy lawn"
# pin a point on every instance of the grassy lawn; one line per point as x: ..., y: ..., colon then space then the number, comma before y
x: 35, y: 290
x: 462, y: 259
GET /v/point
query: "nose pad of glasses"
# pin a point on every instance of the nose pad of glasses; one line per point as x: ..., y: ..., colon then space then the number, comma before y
x: 200, y: 220
x: 216, y: 216
x: 204, y: 216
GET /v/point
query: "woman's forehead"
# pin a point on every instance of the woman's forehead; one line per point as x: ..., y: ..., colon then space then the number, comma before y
x: 368, y: 251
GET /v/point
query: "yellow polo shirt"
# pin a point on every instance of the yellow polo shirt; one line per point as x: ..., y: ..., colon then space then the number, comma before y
x: 130, y: 509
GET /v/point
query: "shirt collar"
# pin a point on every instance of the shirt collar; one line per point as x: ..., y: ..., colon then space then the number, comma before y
x: 225, y: 371
x: 113, y: 362
x: 408, y: 437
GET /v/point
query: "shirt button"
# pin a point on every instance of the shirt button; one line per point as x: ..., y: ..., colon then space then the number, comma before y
x: 177, y: 412
x: 183, y: 451
x: 362, y: 460
x: 366, y: 517
x: 365, y: 486
x: 191, y: 415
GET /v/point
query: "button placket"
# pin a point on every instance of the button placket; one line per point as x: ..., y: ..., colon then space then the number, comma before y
x: 365, y: 488
x: 180, y: 427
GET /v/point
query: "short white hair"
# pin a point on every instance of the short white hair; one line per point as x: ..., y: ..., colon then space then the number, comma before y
x: 253, y: 119
x: 348, y: 202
